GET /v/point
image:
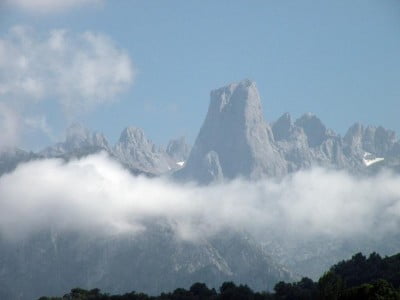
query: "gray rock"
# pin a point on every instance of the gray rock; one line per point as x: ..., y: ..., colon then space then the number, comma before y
x: 178, y: 150
x: 354, y: 140
x: 283, y: 127
x: 236, y: 131
x: 292, y: 143
x: 376, y: 140
x: 10, y: 158
x: 316, y: 132
x: 52, y: 263
x: 308, y: 143
x: 210, y: 170
x: 133, y: 150
x: 136, y: 151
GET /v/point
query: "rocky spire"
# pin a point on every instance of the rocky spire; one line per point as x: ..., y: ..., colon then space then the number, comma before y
x: 236, y: 133
x: 283, y: 127
x: 79, y: 141
x: 315, y: 130
x: 137, y: 152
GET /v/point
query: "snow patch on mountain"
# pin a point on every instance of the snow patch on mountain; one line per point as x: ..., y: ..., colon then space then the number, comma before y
x: 369, y: 159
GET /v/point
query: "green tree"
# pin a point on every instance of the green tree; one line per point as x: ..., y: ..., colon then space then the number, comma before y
x: 202, y: 291
x: 330, y: 286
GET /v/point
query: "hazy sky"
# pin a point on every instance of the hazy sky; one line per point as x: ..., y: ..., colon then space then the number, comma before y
x: 154, y: 63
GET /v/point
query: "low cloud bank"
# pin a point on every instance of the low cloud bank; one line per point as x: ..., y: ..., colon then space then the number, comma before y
x: 95, y: 194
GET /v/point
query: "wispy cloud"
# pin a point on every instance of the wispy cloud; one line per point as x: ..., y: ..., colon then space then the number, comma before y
x: 95, y: 193
x: 78, y: 71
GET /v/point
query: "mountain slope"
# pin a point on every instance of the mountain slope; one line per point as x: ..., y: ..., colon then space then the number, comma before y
x: 154, y: 261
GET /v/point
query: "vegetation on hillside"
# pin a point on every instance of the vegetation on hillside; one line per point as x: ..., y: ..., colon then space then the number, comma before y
x: 372, y: 278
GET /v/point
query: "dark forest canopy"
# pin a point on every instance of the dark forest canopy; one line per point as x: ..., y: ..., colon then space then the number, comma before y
x: 361, y: 277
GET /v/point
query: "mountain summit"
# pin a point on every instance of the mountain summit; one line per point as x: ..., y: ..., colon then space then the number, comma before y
x: 79, y: 141
x: 136, y: 151
x: 235, y: 141
x: 234, y: 138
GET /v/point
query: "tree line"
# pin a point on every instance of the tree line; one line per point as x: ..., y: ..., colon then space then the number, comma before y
x: 361, y: 277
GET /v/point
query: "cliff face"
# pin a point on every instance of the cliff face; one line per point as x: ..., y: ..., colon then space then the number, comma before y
x: 236, y: 137
x: 236, y: 141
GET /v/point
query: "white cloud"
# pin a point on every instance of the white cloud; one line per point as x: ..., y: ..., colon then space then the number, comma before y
x: 78, y: 70
x: 50, y: 6
x: 96, y: 193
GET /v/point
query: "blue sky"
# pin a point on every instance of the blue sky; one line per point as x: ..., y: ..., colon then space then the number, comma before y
x: 339, y: 60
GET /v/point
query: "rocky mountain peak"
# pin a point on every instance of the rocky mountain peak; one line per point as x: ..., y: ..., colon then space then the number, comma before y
x: 314, y: 129
x: 376, y: 140
x: 136, y: 151
x: 355, y: 130
x: 79, y: 141
x: 133, y: 135
x: 283, y: 127
x: 235, y: 96
x: 235, y: 131
x: 78, y: 136
x: 354, y: 135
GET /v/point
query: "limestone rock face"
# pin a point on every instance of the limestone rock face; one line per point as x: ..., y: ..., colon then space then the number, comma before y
x: 376, y: 140
x: 210, y: 169
x: 283, y: 127
x: 138, y: 152
x: 292, y: 142
x: 133, y: 150
x: 316, y: 132
x: 235, y: 130
x: 178, y: 149
x: 354, y: 140
x: 307, y: 142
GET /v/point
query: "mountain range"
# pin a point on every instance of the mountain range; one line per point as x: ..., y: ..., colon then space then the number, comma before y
x: 235, y: 141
